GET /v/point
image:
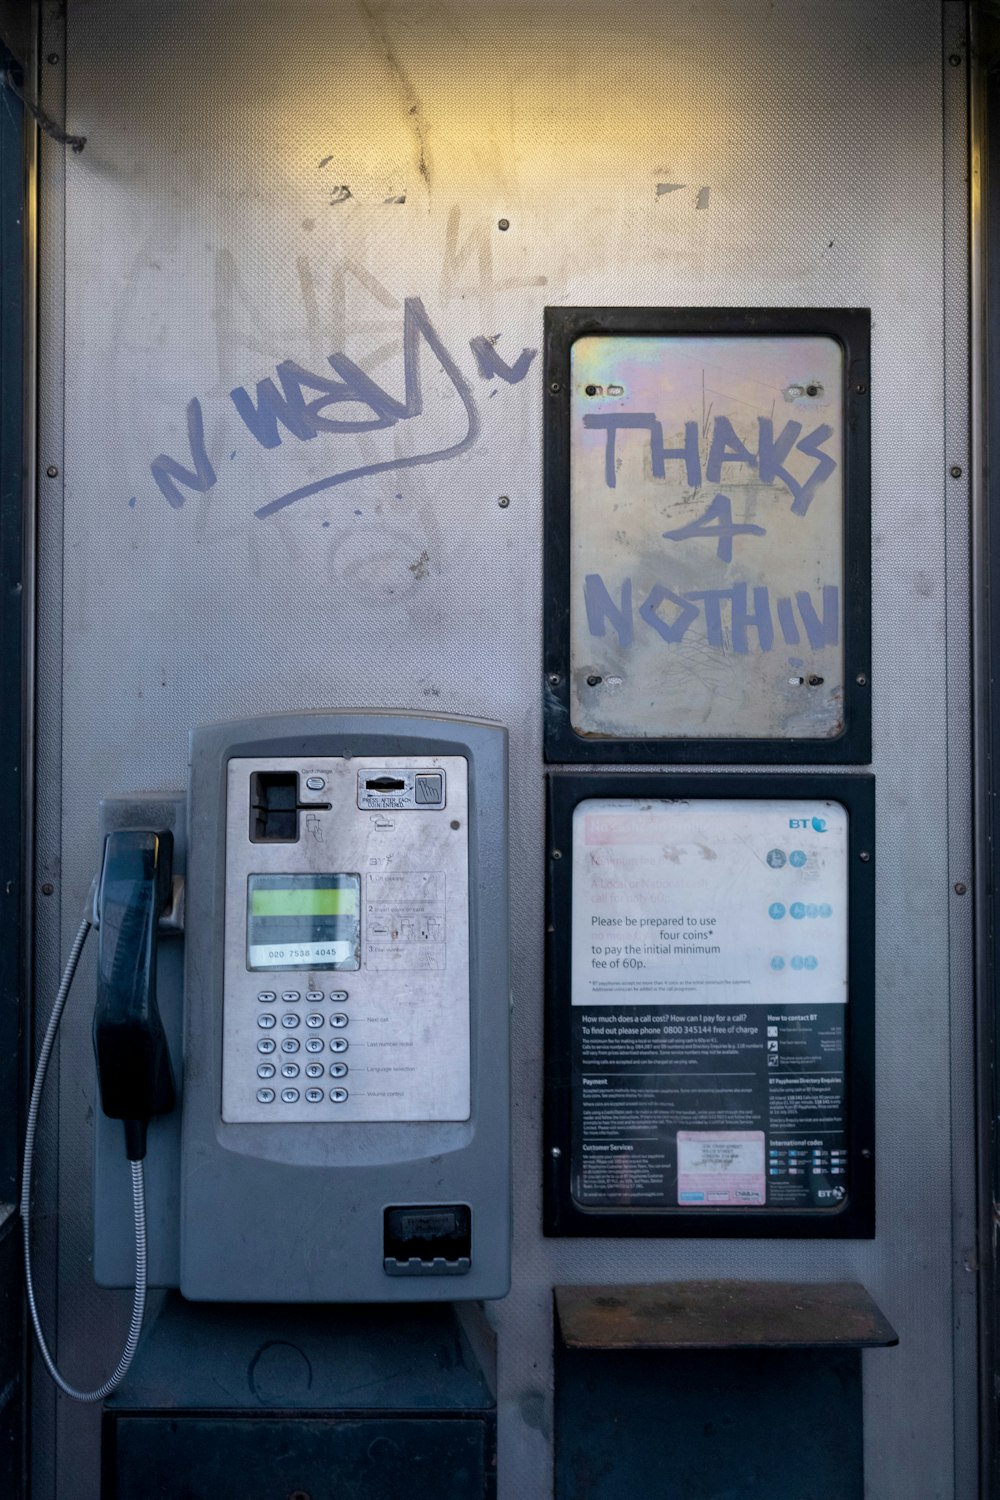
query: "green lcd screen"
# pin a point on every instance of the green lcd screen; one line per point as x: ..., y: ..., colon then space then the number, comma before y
x: 320, y: 902
x: 299, y: 921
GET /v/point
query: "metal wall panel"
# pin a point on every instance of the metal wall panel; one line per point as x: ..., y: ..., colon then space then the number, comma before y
x: 240, y: 204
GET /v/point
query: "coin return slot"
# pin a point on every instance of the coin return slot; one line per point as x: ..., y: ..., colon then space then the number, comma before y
x: 385, y: 784
x: 433, y: 1240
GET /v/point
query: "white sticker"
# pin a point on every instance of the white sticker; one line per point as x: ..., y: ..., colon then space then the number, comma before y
x: 300, y: 955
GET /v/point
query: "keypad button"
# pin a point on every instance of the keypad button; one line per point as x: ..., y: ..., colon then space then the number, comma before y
x: 337, y: 1019
x: 314, y: 1095
x: 289, y: 1070
x: 290, y: 1020
x: 265, y: 1070
x: 314, y: 1019
x: 265, y: 1096
x: 289, y: 1044
x: 338, y: 996
x: 268, y: 997
x: 289, y: 1096
x: 265, y: 1020
x: 265, y: 1045
x: 338, y: 1044
x: 314, y: 995
x: 313, y: 1044
x: 337, y: 1070
x: 290, y: 996
x: 337, y: 1096
x: 314, y: 1070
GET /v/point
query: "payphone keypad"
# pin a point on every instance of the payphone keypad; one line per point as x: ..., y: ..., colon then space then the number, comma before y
x: 364, y: 871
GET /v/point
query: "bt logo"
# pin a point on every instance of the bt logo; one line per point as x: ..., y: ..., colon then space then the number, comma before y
x: 818, y: 825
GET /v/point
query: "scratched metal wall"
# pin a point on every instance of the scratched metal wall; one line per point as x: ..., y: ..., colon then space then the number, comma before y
x: 269, y: 182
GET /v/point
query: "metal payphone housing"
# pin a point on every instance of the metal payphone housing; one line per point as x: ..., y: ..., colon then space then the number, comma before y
x: 256, y: 1197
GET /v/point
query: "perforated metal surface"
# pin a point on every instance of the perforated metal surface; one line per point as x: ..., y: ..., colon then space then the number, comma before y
x: 209, y: 238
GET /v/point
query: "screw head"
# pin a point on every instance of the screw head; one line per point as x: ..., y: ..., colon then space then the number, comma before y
x: 52, y: 471
x: 960, y: 887
x: 554, y: 679
x: 955, y: 471
x: 864, y: 857
x: 48, y: 888
x: 557, y: 854
x: 555, y: 387
x: 594, y: 680
x: 861, y: 389
x: 861, y: 680
x: 52, y: 58
x: 503, y: 223
x: 866, y: 1152
x: 954, y: 60
x: 557, y: 1151
x: 503, y: 502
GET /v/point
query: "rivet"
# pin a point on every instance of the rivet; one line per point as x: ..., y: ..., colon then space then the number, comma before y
x: 455, y: 823
x: 52, y: 471
x: 557, y: 854
x: 960, y: 887
x: 52, y: 58
x: 503, y: 224
x: 555, y: 387
x: 954, y: 59
x: 861, y: 389
x: 554, y: 679
x: 864, y: 856
x: 557, y: 1151
x: 48, y: 888
x: 955, y: 471
x: 861, y: 680
x: 503, y: 502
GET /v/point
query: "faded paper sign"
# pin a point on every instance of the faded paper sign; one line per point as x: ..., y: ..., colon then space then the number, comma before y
x: 709, y: 1004
x: 707, y: 537
x: 721, y: 902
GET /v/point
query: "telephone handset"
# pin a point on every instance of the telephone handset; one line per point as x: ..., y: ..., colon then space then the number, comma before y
x: 135, y: 1079
x: 134, y: 1074
x: 339, y: 1031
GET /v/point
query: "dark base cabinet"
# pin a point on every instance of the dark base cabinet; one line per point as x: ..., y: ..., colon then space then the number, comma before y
x: 304, y: 1404
x: 273, y: 1458
x: 712, y: 1390
x: 743, y: 1425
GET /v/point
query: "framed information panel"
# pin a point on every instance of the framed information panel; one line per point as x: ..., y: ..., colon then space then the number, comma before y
x: 707, y: 535
x: 709, y: 1059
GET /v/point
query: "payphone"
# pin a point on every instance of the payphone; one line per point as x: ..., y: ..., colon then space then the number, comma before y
x: 337, y: 1035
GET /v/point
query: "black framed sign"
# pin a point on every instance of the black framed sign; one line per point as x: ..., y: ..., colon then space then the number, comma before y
x: 709, y: 1056
x: 707, y: 535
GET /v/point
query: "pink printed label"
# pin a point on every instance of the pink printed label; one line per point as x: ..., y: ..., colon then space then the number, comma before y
x: 720, y: 1168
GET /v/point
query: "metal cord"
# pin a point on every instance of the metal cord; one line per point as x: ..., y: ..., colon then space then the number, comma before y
x: 138, y: 1204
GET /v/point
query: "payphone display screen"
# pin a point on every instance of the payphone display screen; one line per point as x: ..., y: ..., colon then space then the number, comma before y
x: 304, y: 921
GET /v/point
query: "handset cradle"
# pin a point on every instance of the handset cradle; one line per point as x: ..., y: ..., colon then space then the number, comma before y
x: 133, y: 1063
